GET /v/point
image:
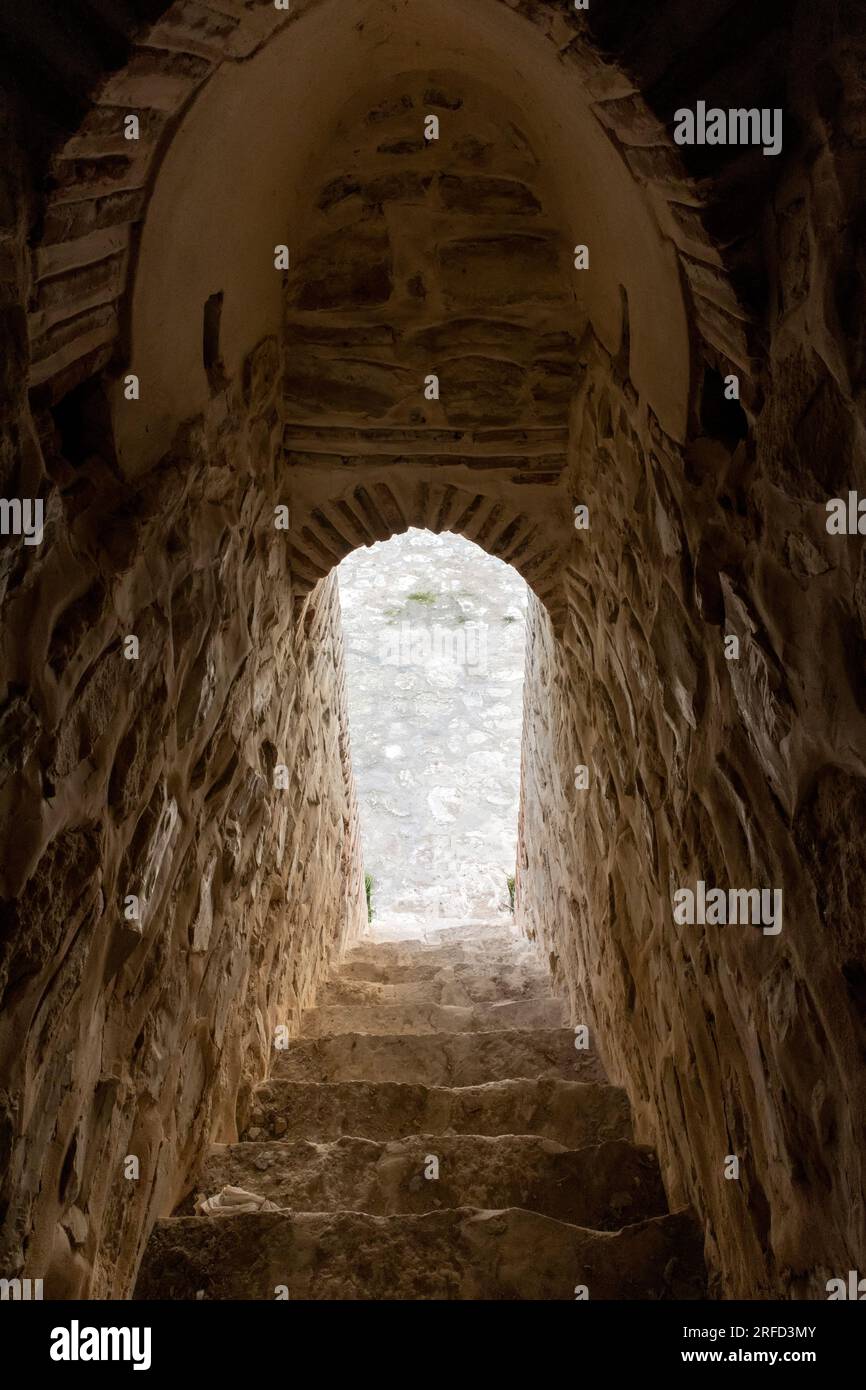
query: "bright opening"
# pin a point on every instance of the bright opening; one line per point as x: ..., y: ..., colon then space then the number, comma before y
x: 435, y: 631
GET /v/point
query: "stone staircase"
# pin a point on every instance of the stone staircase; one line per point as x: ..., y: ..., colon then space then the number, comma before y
x: 446, y: 1047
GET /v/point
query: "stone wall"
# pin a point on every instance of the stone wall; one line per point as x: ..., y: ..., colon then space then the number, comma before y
x: 442, y: 255
x: 158, y: 777
x: 741, y: 773
x: 745, y: 772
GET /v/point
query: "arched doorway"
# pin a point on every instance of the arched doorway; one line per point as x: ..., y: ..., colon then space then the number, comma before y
x: 435, y: 635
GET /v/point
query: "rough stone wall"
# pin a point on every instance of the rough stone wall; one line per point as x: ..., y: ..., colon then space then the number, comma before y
x: 156, y: 777
x: 444, y: 255
x: 744, y: 773
x: 427, y: 346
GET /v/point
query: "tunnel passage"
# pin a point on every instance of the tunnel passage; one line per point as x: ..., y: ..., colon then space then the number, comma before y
x: 204, y: 770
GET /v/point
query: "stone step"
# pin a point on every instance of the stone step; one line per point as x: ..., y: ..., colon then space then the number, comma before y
x: 414, y: 928
x: 604, y: 1187
x: 438, y: 939
x: 484, y: 932
x: 446, y: 987
x: 574, y: 1113
x: 439, y: 1059
x: 418, y: 956
x: 512, y: 970
x: 459, y: 1254
x: 412, y: 1019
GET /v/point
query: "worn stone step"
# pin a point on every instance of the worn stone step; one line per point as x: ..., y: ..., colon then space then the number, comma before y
x: 418, y: 970
x: 572, y: 1112
x: 500, y: 938
x: 411, y: 1019
x: 414, y: 928
x: 462, y: 1254
x: 421, y: 957
x: 604, y: 1187
x: 445, y: 987
x: 439, y: 1059
x: 485, y: 932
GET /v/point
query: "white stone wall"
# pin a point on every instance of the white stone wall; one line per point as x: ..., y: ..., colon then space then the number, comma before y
x: 435, y: 632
